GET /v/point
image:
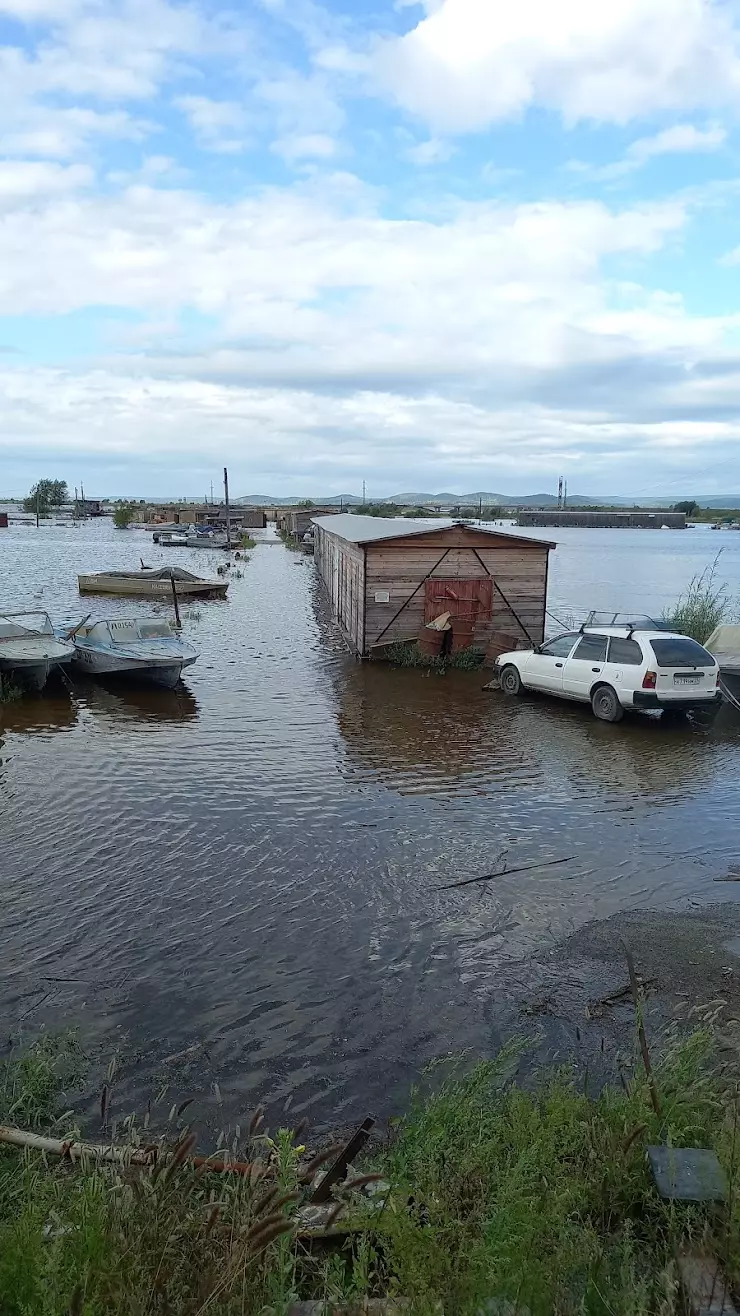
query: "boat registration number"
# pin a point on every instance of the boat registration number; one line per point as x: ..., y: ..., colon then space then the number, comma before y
x: 686, y: 680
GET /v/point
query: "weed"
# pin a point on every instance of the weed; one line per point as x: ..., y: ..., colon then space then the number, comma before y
x: 248, y: 542
x: 703, y: 607
x: 499, y: 1199
x: 9, y: 691
x: 410, y: 655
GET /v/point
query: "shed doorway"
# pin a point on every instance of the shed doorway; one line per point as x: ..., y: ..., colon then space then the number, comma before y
x: 467, y: 600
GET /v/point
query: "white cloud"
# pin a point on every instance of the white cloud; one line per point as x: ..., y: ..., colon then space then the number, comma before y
x: 473, y: 62
x: 679, y: 139
x: 22, y: 181
x: 214, y: 122
x: 33, y: 129
x: 434, y: 151
x: 302, y: 146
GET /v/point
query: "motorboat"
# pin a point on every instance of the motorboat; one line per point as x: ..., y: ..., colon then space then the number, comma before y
x: 172, y: 539
x: 29, y: 649
x: 724, y: 645
x: 141, y: 648
x: 154, y: 584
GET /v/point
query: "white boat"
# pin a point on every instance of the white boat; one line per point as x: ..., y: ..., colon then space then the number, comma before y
x: 724, y: 645
x: 171, y: 539
x: 29, y: 649
x: 152, y: 584
x: 205, y: 540
x: 145, y: 648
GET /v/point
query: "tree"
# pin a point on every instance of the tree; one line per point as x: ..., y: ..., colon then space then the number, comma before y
x: 123, y: 516
x: 44, y: 495
x: 689, y: 506
x: 307, y: 502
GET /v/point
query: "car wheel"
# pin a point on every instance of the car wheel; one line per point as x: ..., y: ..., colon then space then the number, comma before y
x: 510, y: 680
x: 606, y: 705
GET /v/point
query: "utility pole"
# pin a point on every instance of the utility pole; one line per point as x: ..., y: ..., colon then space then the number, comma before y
x: 560, y: 492
x: 228, y: 513
x: 363, y: 493
x: 37, y: 506
x: 565, y: 494
x: 211, y: 490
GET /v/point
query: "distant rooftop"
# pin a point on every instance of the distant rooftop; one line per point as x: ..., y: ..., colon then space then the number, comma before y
x: 366, y: 529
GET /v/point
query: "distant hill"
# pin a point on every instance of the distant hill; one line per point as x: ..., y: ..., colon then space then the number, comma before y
x: 487, y: 499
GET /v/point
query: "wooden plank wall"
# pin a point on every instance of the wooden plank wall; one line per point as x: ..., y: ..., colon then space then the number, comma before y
x: 398, y: 566
x: 341, y: 566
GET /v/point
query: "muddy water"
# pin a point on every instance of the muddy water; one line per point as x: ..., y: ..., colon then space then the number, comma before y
x: 246, y: 874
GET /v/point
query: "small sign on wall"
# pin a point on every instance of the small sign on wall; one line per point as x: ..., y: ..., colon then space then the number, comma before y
x: 382, y: 596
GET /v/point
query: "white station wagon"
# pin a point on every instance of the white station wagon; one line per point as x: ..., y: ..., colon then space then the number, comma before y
x: 614, y: 667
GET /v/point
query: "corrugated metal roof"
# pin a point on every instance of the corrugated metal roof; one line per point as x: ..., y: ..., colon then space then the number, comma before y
x: 366, y: 529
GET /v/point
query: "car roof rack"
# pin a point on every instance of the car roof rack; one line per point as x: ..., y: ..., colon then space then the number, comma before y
x: 632, y: 621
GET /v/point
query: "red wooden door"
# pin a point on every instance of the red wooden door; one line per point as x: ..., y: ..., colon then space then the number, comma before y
x: 470, y: 600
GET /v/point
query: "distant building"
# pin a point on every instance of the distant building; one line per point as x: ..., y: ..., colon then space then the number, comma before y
x: 85, y: 507
x: 644, y: 519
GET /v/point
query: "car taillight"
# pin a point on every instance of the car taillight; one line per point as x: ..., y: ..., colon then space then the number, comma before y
x: 649, y: 680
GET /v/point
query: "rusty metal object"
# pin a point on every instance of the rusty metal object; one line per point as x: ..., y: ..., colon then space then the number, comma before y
x: 338, y: 1169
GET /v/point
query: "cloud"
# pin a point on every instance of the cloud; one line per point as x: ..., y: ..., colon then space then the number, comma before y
x: 24, y: 180
x: 214, y: 122
x: 470, y: 63
x: 679, y: 139
x: 432, y: 152
x: 303, y: 146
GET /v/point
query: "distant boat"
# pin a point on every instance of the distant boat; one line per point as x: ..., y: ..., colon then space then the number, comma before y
x: 152, y: 584
x: 144, y: 648
x: 29, y: 649
x: 171, y: 539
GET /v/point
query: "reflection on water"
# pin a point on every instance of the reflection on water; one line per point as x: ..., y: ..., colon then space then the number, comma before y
x: 125, y: 703
x: 253, y: 863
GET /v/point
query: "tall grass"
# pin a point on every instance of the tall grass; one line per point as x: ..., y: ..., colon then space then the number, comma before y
x: 403, y: 654
x: 705, y: 605
x: 497, y: 1199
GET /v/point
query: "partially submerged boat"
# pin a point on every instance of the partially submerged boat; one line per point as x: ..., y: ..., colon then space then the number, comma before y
x: 140, y: 648
x: 724, y: 645
x: 29, y: 649
x: 153, y: 584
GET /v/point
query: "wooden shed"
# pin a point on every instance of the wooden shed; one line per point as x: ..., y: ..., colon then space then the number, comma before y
x: 387, y: 577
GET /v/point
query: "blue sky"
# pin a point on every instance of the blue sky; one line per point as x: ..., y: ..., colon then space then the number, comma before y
x: 456, y: 244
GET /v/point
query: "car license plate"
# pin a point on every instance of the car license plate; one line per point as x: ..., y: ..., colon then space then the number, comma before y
x: 686, y: 680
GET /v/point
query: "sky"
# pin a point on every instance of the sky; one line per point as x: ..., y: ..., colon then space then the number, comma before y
x: 451, y: 245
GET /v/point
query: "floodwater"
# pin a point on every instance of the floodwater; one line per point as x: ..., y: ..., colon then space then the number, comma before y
x: 241, y: 882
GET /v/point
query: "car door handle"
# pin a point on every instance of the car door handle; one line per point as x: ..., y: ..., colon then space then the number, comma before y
x: 558, y: 664
x: 595, y: 669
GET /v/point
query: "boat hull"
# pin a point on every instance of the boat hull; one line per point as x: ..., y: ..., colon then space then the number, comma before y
x: 32, y: 670
x: 162, y: 672
x: 152, y: 589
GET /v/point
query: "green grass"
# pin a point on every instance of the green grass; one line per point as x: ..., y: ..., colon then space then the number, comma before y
x: 704, y: 606
x: 536, y: 1200
x: 247, y: 541
x: 409, y: 655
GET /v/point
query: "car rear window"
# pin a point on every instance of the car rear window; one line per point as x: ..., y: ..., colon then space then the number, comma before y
x: 679, y: 651
x: 624, y: 651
